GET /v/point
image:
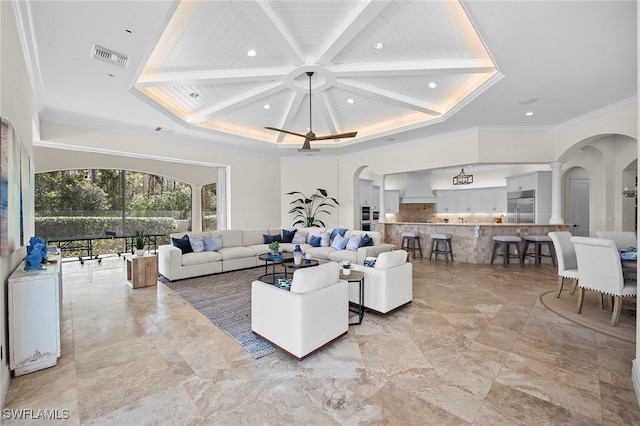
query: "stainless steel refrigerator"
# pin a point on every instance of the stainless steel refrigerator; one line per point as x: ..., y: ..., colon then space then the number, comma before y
x: 520, y: 207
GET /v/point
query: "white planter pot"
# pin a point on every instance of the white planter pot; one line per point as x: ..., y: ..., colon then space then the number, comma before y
x: 346, y: 271
x: 140, y: 252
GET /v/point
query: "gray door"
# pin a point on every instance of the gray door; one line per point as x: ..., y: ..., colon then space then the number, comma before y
x: 579, y: 209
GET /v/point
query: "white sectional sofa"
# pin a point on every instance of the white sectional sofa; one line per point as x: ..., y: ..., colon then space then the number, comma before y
x: 241, y: 248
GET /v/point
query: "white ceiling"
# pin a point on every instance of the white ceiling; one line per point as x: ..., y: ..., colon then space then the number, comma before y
x: 572, y: 57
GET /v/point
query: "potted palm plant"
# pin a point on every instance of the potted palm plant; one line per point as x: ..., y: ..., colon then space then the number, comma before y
x: 306, y: 209
x: 140, y: 242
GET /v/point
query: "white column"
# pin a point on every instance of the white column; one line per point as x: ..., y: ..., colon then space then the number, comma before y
x: 196, y: 208
x: 222, y: 200
x: 556, y: 194
x: 382, y: 215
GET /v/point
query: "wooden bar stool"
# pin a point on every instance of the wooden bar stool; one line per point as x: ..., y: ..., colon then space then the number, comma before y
x: 447, y: 250
x: 411, y: 243
x: 538, y: 241
x: 506, y: 241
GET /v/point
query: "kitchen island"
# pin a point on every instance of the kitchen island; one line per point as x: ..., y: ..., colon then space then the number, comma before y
x: 472, y: 242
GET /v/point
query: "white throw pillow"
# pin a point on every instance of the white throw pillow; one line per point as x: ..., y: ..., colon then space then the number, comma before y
x: 353, y: 243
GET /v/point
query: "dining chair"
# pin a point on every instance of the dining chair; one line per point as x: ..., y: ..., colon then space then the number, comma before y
x: 566, y: 256
x: 600, y: 270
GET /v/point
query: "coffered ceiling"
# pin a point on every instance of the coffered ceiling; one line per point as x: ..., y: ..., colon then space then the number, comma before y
x: 188, y: 70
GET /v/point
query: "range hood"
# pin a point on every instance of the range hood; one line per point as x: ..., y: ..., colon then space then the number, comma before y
x: 417, y: 188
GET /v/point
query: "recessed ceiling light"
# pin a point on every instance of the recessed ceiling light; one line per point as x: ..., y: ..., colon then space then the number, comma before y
x: 193, y: 95
x: 267, y: 106
x: 251, y: 53
x: 350, y: 101
x: 378, y: 46
x: 529, y: 114
x: 432, y: 85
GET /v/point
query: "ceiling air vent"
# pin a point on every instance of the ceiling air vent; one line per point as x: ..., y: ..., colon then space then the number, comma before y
x: 107, y: 55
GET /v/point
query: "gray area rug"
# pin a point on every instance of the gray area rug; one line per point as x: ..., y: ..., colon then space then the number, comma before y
x: 226, y: 300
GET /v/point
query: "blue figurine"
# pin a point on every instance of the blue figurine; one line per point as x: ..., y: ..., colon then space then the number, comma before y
x: 36, y: 252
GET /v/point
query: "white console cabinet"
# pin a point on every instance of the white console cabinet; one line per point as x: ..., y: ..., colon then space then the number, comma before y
x: 34, y: 318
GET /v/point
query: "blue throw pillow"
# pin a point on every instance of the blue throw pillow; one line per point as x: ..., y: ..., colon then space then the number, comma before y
x: 337, y: 231
x: 353, y: 243
x: 339, y: 242
x: 183, y: 244
x: 212, y: 244
x: 366, y: 240
x: 287, y: 236
x: 271, y: 238
x: 314, y: 241
x: 325, y: 239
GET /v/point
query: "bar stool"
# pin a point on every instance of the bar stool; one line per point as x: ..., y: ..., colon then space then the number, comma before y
x: 505, y: 241
x: 447, y: 250
x: 538, y: 241
x: 411, y: 243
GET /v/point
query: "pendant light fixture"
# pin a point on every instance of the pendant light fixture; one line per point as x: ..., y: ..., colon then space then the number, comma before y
x: 462, y: 178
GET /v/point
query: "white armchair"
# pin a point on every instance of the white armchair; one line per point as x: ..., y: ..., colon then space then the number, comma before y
x: 600, y: 270
x: 388, y: 285
x: 312, y: 314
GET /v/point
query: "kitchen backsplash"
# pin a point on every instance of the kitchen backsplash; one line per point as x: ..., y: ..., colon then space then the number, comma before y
x: 426, y: 212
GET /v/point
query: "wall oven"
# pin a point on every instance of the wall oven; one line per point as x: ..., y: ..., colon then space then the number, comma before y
x: 365, y: 213
x: 375, y: 216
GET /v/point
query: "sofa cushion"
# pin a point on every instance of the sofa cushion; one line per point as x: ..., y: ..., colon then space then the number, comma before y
x: 254, y: 236
x: 183, y: 244
x: 339, y: 242
x: 191, y: 259
x: 287, y: 236
x: 391, y: 259
x: 212, y: 244
x: 230, y: 253
x: 341, y: 255
x: 320, y: 252
x: 315, y: 277
x: 231, y: 237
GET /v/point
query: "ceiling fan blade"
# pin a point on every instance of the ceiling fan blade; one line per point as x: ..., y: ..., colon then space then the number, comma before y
x: 338, y: 136
x: 286, y: 131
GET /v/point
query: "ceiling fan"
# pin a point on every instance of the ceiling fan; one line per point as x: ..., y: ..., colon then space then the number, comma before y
x: 310, y: 136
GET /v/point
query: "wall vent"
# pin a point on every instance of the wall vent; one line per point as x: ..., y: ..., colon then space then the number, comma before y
x: 107, y: 55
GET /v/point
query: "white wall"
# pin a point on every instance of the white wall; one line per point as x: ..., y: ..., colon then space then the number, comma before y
x: 17, y: 103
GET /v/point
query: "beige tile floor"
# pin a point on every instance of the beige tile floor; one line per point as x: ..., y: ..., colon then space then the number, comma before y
x: 475, y: 347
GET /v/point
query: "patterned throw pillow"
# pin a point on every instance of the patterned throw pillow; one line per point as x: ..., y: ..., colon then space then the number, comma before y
x: 212, y: 244
x: 300, y: 237
x: 183, y: 244
x: 197, y: 245
x: 353, y: 243
x: 370, y: 262
x: 339, y: 242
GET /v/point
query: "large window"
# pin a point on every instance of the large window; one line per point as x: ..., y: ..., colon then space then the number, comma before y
x: 92, y: 202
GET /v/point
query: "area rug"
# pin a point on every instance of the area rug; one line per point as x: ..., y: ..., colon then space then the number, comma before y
x: 592, y: 316
x: 226, y: 300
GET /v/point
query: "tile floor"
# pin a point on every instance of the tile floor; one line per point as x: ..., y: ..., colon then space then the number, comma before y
x: 474, y: 347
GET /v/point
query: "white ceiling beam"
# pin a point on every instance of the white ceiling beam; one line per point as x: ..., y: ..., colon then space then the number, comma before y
x: 289, y: 115
x: 362, y: 13
x: 410, y: 68
x: 327, y: 113
x: 389, y: 97
x: 262, y: 15
x: 235, y: 102
x: 244, y: 75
